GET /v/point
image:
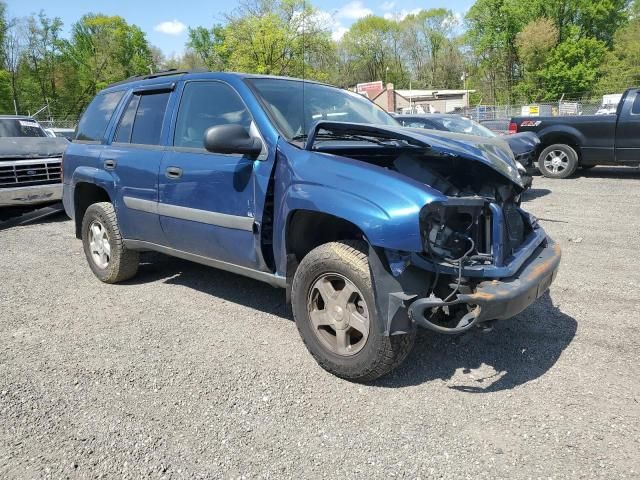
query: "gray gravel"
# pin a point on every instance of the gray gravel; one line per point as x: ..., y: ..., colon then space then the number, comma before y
x: 189, y: 372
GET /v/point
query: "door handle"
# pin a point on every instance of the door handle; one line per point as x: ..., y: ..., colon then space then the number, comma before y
x: 173, y: 172
x: 109, y: 164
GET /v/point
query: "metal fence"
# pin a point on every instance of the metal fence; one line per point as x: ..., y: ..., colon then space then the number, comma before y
x: 560, y: 108
x: 58, y: 123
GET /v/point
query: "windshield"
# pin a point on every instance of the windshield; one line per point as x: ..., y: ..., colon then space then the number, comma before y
x: 463, y: 125
x: 295, y: 109
x: 16, y: 127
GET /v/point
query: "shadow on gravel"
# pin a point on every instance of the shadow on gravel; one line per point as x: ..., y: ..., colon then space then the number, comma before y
x: 535, y: 193
x: 14, y: 217
x: 212, y: 281
x: 620, y: 173
x: 515, y: 352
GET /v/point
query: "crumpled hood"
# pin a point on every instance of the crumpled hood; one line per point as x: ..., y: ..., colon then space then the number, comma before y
x: 493, y: 152
x: 31, y: 147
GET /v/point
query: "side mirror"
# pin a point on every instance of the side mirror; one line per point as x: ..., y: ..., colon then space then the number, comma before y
x: 231, y: 139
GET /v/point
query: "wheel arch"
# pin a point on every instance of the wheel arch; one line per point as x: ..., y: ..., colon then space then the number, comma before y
x: 84, y: 195
x: 325, y: 228
x: 565, y: 136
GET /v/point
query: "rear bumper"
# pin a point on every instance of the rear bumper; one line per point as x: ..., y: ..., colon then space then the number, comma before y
x: 500, y: 299
x: 31, y: 195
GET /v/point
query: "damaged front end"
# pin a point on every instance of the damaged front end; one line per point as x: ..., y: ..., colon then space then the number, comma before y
x: 483, y: 258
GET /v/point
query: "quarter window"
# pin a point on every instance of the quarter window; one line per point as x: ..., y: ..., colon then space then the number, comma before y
x: 97, y: 116
x: 142, y: 120
x: 635, y: 108
x: 205, y: 105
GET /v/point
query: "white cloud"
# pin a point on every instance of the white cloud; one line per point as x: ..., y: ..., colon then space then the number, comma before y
x: 386, y: 6
x: 338, y: 32
x: 171, y: 27
x: 328, y: 21
x: 353, y: 11
x: 402, y: 14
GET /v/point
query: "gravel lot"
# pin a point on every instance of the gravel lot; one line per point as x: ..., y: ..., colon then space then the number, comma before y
x: 190, y: 372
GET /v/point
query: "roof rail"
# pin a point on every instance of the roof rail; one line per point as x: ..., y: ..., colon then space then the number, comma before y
x: 161, y: 73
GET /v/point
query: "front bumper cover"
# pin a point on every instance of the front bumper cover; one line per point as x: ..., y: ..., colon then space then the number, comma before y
x: 402, y: 306
x: 31, y: 195
x: 499, y: 299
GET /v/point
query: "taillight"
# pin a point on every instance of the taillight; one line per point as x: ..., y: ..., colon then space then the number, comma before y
x: 513, y: 128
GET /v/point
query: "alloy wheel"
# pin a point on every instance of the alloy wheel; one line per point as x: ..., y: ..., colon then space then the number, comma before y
x: 556, y: 161
x: 99, y: 244
x: 339, y: 314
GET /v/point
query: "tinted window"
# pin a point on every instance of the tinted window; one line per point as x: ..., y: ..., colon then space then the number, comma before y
x: 204, y: 105
x: 97, y: 116
x: 123, y: 134
x: 15, y: 127
x: 149, y: 116
x: 142, y: 119
x: 635, y: 109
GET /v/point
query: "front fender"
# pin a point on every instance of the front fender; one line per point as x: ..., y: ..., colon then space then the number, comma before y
x: 383, y: 204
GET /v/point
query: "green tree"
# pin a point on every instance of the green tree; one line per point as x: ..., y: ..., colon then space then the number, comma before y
x: 371, y: 50
x: 534, y: 45
x: 278, y: 37
x: 572, y: 68
x: 40, y: 60
x: 429, y: 47
x: 621, y: 68
x: 210, y: 46
x: 102, y: 50
x: 493, y: 26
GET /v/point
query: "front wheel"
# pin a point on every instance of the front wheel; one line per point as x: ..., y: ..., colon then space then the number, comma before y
x: 558, y: 161
x: 334, y: 309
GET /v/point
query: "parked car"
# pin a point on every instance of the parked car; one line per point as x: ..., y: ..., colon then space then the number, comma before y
x: 524, y: 146
x: 569, y: 142
x: 68, y: 133
x: 372, y: 228
x: 499, y: 127
x: 30, y: 170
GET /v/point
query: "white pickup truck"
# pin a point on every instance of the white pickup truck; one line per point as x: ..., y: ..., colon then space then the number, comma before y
x: 30, y: 163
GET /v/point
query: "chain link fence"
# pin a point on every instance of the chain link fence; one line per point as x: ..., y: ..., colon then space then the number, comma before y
x: 58, y: 123
x: 546, y: 109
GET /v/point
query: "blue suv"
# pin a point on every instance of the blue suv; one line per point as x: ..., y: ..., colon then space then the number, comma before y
x: 373, y: 229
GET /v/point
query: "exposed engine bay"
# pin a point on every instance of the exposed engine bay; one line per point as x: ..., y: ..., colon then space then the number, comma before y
x: 459, y: 233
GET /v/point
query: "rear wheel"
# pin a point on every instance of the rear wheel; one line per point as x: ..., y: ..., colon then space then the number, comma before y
x: 104, y: 248
x: 334, y: 309
x: 558, y: 161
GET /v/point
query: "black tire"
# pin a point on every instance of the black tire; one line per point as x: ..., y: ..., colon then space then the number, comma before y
x: 568, y: 167
x: 380, y: 354
x: 122, y: 263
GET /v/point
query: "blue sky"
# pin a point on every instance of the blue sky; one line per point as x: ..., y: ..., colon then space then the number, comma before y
x: 166, y: 21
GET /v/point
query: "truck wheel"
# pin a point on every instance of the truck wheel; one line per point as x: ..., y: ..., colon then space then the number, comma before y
x: 334, y: 309
x: 108, y: 258
x: 558, y: 161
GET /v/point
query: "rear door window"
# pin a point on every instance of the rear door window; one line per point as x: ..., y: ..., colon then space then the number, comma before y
x: 97, y: 116
x: 635, y: 108
x: 142, y: 120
